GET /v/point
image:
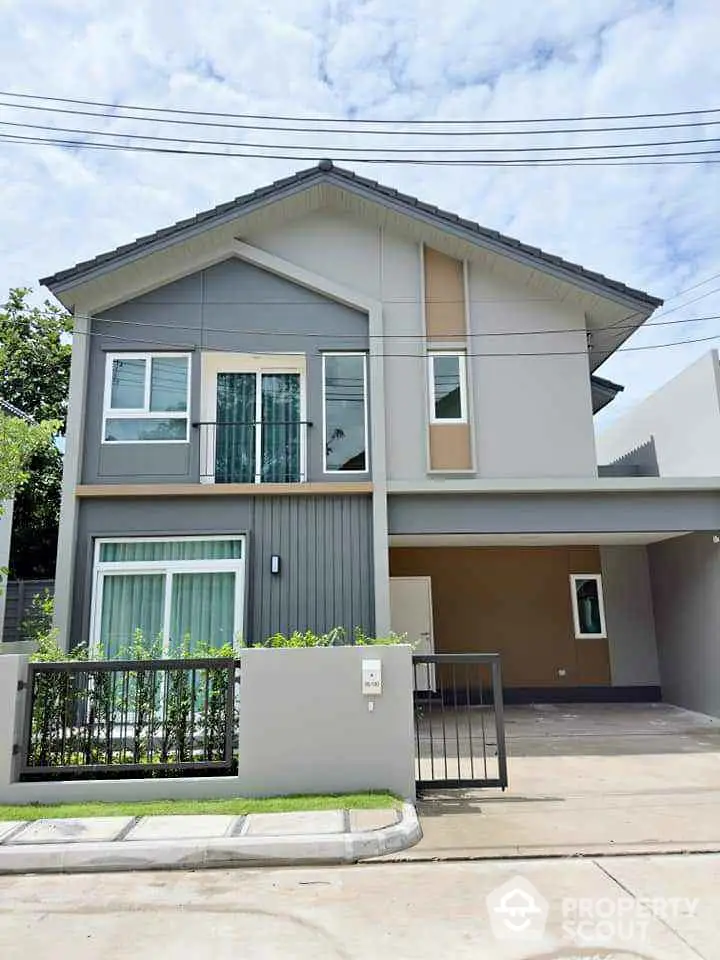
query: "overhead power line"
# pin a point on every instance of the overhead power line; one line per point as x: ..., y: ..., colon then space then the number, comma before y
x: 337, y: 148
x: 636, y: 160
x: 302, y: 126
x: 358, y: 120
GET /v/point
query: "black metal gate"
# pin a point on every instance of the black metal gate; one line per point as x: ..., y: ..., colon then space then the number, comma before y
x: 459, y: 724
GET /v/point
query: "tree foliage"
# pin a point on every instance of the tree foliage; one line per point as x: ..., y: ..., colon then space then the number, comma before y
x: 34, y: 375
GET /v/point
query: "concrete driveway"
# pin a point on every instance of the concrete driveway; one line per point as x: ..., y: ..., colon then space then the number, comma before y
x: 587, y: 779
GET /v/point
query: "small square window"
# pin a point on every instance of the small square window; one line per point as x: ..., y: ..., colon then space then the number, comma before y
x: 146, y: 398
x: 588, y: 605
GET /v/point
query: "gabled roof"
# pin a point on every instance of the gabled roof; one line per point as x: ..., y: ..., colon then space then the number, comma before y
x: 603, y: 392
x: 327, y: 172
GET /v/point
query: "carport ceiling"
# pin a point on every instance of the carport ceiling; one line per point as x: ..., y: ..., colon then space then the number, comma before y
x: 528, y: 539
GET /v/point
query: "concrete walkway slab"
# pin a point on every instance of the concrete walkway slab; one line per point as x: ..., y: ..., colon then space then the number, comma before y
x: 9, y: 826
x: 372, y: 819
x: 92, y: 830
x: 297, y: 824
x: 182, y: 827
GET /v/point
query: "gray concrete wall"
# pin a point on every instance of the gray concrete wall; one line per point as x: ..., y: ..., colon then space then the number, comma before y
x: 685, y: 576
x: 324, y: 543
x: 629, y: 614
x: 232, y: 306
x: 305, y: 726
x: 683, y: 418
x: 559, y: 512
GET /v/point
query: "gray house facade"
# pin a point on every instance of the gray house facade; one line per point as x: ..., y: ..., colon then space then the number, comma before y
x: 327, y: 404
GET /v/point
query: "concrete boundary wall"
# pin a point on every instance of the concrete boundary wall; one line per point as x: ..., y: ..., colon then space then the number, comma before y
x: 305, y: 727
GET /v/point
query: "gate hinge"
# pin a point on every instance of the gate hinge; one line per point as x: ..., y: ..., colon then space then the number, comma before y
x: 16, y: 749
x: 21, y: 685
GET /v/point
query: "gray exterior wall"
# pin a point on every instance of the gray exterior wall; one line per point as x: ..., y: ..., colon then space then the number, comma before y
x: 339, y: 746
x: 560, y: 512
x: 685, y: 577
x: 325, y: 546
x: 629, y: 614
x: 233, y: 306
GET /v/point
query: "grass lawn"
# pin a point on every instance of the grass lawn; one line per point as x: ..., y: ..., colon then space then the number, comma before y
x: 237, y: 805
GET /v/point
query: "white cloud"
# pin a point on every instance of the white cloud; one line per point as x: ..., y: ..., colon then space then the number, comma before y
x: 653, y: 227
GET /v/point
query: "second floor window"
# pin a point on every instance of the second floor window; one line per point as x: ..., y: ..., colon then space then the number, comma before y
x: 147, y: 398
x: 448, y: 388
x: 345, y: 412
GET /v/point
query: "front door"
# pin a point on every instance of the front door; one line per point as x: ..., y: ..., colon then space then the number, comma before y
x: 411, y: 614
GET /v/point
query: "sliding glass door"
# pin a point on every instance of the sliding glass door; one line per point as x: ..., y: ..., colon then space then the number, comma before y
x: 258, y: 436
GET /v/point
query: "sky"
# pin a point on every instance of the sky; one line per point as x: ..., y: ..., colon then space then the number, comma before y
x: 654, y: 227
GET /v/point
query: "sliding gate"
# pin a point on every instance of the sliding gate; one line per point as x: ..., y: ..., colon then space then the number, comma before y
x: 459, y: 725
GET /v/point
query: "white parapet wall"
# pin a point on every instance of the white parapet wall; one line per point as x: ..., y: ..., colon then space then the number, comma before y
x: 305, y: 727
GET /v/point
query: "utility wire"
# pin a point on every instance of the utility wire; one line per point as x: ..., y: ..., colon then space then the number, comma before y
x: 336, y: 148
x: 354, y: 132
x: 638, y: 160
x: 356, y: 120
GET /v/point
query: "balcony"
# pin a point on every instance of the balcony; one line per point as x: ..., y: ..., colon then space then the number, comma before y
x: 253, y: 451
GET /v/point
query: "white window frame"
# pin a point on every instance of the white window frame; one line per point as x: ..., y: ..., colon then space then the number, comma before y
x: 597, y: 577
x: 213, y: 363
x: 108, y: 568
x: 462, y: 368
x: 118, y: 413
x: 346, y: 353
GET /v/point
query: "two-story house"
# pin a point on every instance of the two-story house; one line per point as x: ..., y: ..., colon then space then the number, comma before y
x: 326, y: 403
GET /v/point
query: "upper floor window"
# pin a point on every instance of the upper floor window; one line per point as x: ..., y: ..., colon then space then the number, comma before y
x: 345, y: 426
x: 448, y: 388
x: 147, y: 398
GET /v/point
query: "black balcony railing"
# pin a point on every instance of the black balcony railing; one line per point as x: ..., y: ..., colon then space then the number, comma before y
x: 253, y: 451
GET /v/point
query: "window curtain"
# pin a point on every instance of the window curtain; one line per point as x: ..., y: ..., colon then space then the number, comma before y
x: 131, y: 603
x: 280, y: 428
x: 235, y: 429
x: 202, y: 610
x: 139, y: 550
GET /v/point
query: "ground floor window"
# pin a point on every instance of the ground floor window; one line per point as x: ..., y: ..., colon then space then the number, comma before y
x: 588, y: 606
x: 169, y: 592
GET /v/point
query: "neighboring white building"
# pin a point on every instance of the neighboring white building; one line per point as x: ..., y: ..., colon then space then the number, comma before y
x: 681, y: 421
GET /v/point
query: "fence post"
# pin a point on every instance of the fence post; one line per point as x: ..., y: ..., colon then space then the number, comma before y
x: 13, y: 671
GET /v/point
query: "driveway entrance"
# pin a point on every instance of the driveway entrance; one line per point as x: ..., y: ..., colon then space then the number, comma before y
x: 587, y: 779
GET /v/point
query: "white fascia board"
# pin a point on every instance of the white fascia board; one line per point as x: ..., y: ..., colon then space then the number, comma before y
x: 559, y: 485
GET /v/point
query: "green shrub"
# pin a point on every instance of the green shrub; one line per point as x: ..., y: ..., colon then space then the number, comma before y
x: 337, y: 637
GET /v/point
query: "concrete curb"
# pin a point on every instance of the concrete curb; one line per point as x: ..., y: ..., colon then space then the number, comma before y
x: 242, y: 851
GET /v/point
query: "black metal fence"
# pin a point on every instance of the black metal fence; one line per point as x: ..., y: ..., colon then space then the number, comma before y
x: 107, y: 719
x: 459, y: 721
x: 253, y: 451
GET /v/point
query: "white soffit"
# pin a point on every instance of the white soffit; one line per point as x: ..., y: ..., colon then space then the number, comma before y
x: 528, y: 539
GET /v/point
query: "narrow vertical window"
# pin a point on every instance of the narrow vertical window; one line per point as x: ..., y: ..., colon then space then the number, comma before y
x: 588, y: 606
x: 448, y: 401
x: 345, y: 412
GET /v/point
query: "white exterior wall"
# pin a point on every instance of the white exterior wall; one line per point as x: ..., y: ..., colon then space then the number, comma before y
x: 6, y: 515
x: 630, y: 618
x: 532, y: 415
x: 683, y: 417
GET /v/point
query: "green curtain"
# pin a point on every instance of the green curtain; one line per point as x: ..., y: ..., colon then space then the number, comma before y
x: 280, y: 428
x: 131, y: 602
x: 235, y: 429
x: 139, y: 550
x: 202, y: 608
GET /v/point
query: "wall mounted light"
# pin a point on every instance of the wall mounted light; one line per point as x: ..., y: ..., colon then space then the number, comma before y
x: 275, y: 563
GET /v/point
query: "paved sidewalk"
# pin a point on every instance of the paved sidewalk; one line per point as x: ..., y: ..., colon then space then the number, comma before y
x: 192, y: 842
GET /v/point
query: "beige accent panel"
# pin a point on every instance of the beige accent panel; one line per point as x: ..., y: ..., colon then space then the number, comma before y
x: 222, y: 489
x: 511, y: 601
x: 444, y: 297
x: 450, y: 447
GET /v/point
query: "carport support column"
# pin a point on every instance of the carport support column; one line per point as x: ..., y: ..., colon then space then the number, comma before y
x: 72, y: 466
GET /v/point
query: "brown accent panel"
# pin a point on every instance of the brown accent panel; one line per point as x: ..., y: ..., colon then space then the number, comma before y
x: 514, y: 601
x: 450, y: 446
x: 444, y: 296
x: 222, y: 489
